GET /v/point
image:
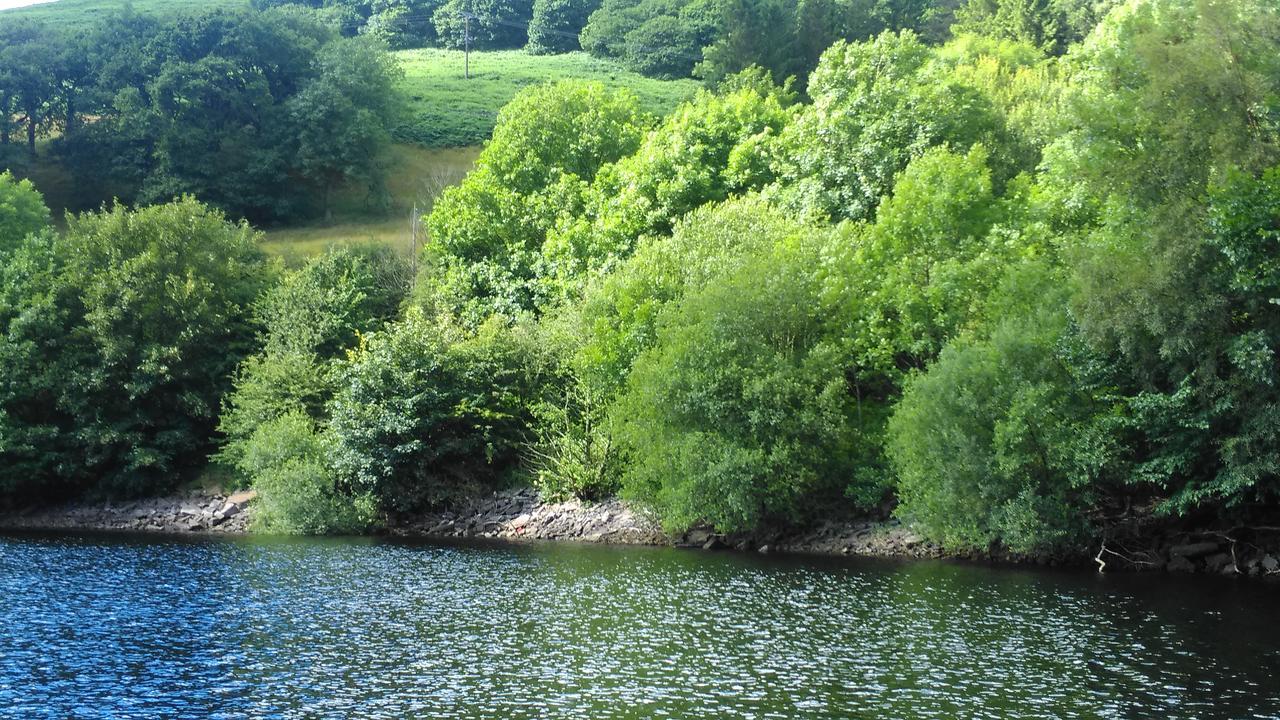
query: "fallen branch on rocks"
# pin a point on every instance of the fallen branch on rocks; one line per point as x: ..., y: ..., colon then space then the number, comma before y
x: 1102, y: 564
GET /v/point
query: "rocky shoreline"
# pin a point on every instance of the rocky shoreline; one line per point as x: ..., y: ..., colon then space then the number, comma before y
x: 521, y: 515
x: 189, y: 512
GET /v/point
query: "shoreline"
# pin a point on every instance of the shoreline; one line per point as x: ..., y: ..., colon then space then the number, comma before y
x: 520, y: 515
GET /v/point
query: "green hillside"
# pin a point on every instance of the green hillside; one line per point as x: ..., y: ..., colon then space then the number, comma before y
x: 76, y: 12
x: 449, y: 110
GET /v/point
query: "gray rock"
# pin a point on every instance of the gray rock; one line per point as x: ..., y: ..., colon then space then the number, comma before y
x: 698, y: 537
x: 1180, y: 564
x: 1270, y: 563
x: 1193, y: 550
x: 1215, y: 563
x: 764, y: 550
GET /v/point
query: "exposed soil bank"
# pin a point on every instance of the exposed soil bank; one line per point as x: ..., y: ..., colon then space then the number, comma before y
x: 521, y: 515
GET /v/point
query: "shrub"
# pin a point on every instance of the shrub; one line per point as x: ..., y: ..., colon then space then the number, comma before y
x: 740, y: 414
x: 22, y: 211
x: 487, y: 232
x: 310, y: 318
x: 298, y: 490
x: 426, y: 413
x: 876, y: 106
x: 992, y: 445
x: 119, y: 341
x: 704, y: 152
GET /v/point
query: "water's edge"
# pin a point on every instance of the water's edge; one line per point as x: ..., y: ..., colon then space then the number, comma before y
x: 520, y: 515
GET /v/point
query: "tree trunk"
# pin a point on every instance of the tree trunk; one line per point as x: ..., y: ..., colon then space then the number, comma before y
x: 31, y: 133
x: 71, y: 117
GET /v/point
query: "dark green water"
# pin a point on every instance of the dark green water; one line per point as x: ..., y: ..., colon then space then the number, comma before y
x: 119, y: 627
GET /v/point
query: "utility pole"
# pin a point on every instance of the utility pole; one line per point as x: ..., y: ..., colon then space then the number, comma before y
x: 414, y: 220
x: 466, y: 43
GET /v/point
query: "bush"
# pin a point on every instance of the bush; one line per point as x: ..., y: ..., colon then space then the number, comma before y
x: 704, y: 152
x: 119, y: 341
x: 876, y: 106
x: 740, y: 414
x: 309, y: 319
x: 995, y: 442
x: 426, y: 413
x: 22, y: 211
x: 487, y: 232
x: 298, y: 490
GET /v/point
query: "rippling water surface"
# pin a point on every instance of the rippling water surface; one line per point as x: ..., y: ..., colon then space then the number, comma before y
x: 110, y: 626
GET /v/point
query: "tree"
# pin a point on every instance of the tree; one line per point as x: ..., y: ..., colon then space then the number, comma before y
x: 997, y: 443
x: 343, y: 116
x: 487, y: 232
x: 119, y: 340
x: 22, y: 211
x: 751, y: 32
x: 402, y: 23
x: 310, y: 319
x: 426, y: 413
x: 740, y: 414
x: 29, y: 54
x: 495, y: 24
x: 556, y: 24
x: 707, y: 150
x: 876, y: 105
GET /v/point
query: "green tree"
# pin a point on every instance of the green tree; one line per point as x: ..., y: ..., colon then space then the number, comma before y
x: 29, y: 56
x: 402, y: 23
x: 556, y: 24
x: 343, y: 117
x: 707, y: 150
x: 313, y: 316
x: 495, y: 24
x: 119, y: 341
x: 740, y: 413
x: 549, y: 142
x: 998, y: 443
x: 22, y: 211
x: 426, y: 413
x: 876, y: 105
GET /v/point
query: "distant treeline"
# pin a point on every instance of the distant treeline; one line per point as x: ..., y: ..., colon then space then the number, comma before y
x: 710, y: 39
x: 261, y: 114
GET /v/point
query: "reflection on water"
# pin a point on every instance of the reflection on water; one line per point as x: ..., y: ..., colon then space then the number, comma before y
x: 107, y: 626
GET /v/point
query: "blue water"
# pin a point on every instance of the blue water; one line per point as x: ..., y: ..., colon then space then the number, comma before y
x: 128, y: 627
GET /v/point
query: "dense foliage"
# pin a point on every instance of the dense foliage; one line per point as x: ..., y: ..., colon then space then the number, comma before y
x: 1013, y: 285
x: 260, y: 114
x: 119, y: 337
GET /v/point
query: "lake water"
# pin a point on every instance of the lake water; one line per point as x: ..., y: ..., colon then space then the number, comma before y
x: 126, y: 627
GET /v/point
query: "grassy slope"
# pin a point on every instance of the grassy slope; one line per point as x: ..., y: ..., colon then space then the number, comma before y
x: 66, y: 13
x: 451, y: 111
x: 417, y: 176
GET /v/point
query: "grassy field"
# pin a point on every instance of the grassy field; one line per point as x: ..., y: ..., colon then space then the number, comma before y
x: 417, y: 177
x: 78, y: 12
x: 449, y: 110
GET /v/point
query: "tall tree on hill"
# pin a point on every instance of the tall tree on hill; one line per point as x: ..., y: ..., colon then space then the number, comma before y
x: 342, y: 116
x: 29, y: 55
